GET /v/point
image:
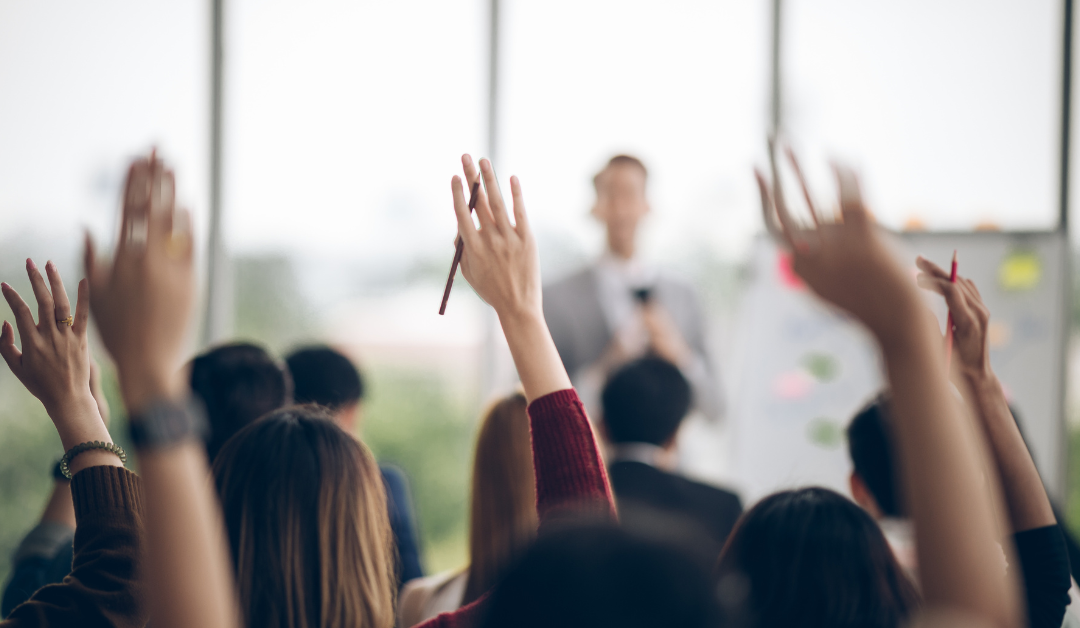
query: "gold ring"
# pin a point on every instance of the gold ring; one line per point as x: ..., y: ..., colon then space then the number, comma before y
x: 69, y: 321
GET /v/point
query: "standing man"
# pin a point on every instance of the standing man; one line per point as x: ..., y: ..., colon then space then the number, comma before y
x: 620, y: 308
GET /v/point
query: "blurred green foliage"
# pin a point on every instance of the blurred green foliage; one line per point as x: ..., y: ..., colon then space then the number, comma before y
x: 30, y: 447
x: 413, y: 421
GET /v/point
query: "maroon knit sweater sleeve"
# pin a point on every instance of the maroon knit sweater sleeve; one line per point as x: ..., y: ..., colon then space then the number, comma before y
x: 570, y: 477
x: 102, y: 588
x: 569, y: 473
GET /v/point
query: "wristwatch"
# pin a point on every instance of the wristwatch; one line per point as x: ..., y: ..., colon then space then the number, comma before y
x: 166, y: 423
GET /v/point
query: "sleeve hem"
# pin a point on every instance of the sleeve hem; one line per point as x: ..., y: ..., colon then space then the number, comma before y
x: 554, y: 400
x: 102, y: 488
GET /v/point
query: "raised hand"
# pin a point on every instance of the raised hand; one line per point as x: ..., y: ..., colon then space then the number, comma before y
x: 54, y: 362
x: 970, y: 316
x: 501, y: 262
x: 142, y: 298
x: 847, y: 261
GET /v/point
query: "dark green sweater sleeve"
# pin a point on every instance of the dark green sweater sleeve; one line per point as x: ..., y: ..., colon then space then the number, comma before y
x: 103, y: 589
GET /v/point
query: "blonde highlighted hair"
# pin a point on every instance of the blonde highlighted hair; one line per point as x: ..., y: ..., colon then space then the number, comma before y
x: 305, y: 510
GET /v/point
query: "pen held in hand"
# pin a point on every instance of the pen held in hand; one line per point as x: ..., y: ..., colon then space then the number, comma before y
x: 948, y: 320
x: 459, y: 248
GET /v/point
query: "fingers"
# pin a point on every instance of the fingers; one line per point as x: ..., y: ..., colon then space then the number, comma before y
x: 24, y: 320
x: 466, y: 229
x: 767, y: 212
x: 472, y: 175
x: 482, y: 206
x: 975, y: 302
x: 88, y: 254
x: 62, y: 308
x: 495, y: 199
x: 82, y: 308
x: 520, y: 218
x: 162, y: 204
x: 46, y: 309
x: 493, y: 196
x: 802, y: 183
x: 851, y: 202
x: 787, y: 222
x: 180, y: 245
x: 137, y: 193
x: 962, y: 314
x: 8, y: 350
x: 931, y: 268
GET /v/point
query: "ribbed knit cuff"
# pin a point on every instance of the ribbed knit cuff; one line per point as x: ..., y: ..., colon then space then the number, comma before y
x: 552, y: 402
x: 569, y: 472
x: 103, y: 488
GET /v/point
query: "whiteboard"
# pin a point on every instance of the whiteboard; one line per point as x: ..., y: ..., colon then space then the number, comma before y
x: 804, y: 369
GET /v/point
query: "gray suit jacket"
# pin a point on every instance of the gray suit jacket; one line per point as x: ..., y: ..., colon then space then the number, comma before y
x: 580, y: 329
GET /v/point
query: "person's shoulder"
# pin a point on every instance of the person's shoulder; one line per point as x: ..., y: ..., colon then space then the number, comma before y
x: 718, y: 496
x: 419, y: 593
x: 676, y: 482
x: 632, y: 477
x: 393, y: 476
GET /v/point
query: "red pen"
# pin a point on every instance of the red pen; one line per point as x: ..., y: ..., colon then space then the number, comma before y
x: 459, y: 248
x: 948, y: 321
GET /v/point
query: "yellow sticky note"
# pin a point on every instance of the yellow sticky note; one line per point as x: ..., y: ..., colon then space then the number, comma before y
x: 1020, y: 270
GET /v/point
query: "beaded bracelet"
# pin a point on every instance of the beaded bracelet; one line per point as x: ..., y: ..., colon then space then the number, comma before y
x: 87, y: 446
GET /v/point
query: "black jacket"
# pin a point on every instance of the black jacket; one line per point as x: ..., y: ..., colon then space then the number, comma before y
x: 658, y: 503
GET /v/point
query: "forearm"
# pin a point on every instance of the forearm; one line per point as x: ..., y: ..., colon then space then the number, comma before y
x: 535, y: 356
x: 77, y: 421
x: 945, y: 489
x: 185, y: 531
x: 1026, y: 499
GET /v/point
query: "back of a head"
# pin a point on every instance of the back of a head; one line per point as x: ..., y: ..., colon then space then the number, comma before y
x: 305, y: 510
x: 870, y: 446
x: 238, y: 383
x: 598, y: 576
x: 503, y: 519
x: 812, y: 557
x: 645, y: 401
x: 324, y: 376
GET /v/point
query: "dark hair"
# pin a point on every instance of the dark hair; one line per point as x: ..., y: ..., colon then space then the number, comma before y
x: 645, y: 401
x: 870, y: 445
x: 812, y: 557
x: 305, y: 511
x: 324, y: 376
x: 620, y: 160
x: 238, y: 383
x: 599, y: 576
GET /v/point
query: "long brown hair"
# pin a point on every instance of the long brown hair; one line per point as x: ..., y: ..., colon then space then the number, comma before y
x: 305, y: 510
x: 503, y: 521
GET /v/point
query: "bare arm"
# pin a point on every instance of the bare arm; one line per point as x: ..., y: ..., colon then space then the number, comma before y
x: 849, y: 264
x: 1025, y: 496
x: 142, y: 301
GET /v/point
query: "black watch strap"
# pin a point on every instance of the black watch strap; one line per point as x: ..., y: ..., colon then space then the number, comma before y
x: 167, y: 423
